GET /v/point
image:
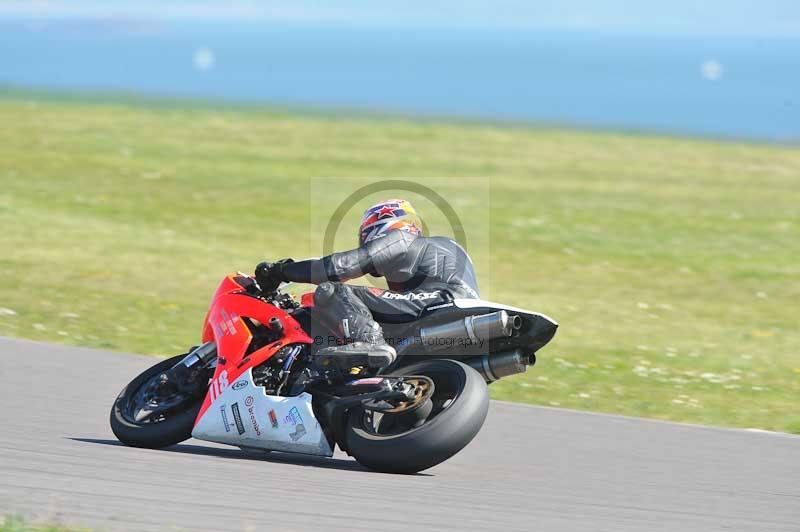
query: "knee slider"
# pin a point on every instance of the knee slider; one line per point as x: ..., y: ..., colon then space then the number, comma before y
x: 323, y: 293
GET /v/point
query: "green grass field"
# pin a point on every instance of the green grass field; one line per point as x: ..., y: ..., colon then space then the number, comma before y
x: 18, y: 524
x: 673, y: 266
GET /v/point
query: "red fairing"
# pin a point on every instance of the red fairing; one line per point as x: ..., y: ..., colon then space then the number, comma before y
x: 224, y: 326
x: 227, y: 286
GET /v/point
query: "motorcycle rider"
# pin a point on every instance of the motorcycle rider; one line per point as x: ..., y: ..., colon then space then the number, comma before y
x: 420, y: 272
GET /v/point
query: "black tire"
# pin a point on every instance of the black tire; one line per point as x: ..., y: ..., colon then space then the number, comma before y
x: 441, y: 436
x: 174, y: 429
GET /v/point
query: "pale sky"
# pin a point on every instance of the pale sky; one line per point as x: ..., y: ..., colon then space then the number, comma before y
x: 735, y: 17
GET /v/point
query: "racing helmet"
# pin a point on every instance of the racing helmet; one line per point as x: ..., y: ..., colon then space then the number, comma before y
x: 387, y: 216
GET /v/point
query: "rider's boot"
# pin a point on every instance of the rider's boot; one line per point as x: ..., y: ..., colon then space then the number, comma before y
x: 363, y: 344
x: 370, y: 350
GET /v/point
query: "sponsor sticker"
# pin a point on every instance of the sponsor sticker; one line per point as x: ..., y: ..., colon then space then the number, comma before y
x: 223, y: 411
x: 273, y: 419
x: 228, y: 322
x: 238, y: 385
x: 293, y: 417
x: 411, y: 296
x: 248, y: 402
x: 237, y: 418
x: 299, y: 432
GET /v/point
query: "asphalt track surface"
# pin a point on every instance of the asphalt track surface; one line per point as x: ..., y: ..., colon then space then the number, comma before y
x: 529, y: 469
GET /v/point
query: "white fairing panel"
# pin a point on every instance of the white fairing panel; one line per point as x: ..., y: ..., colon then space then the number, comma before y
x: 245, y: 415
x: 474, y: 303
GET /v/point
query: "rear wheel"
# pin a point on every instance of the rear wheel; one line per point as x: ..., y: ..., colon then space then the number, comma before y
x: 173, y: 416
x: 419, y: 436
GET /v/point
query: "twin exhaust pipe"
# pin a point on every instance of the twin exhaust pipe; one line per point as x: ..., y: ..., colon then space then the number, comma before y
x: 498, y: 365
x: 478, y: 329
x: 472, y: 329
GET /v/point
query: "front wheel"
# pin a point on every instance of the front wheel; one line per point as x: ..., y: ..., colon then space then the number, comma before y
x: 174, y: 415
x: 405, y: 443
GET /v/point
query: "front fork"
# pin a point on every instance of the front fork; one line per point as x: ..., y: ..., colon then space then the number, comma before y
x: 181, y: 378
x: 202, y: 354
x: 184, y: 374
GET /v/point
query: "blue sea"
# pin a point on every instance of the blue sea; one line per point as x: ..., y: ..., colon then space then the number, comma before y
x: 719, y: 86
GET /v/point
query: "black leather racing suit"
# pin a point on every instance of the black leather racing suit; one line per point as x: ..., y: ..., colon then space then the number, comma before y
x: 420, y: 272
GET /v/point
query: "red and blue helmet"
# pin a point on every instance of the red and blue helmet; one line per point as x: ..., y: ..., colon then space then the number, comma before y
x: 387, y: 216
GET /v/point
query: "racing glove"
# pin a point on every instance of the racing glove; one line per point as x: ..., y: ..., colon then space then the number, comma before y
x: 269, y: 275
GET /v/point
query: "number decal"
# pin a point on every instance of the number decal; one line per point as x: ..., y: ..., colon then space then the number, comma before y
x: 218, y: 384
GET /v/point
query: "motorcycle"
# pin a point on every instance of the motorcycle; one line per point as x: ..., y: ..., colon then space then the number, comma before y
x: 255, y: 381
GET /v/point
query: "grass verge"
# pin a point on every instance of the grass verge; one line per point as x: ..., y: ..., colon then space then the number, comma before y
x: 13, y: 523
x: 671, y: 264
